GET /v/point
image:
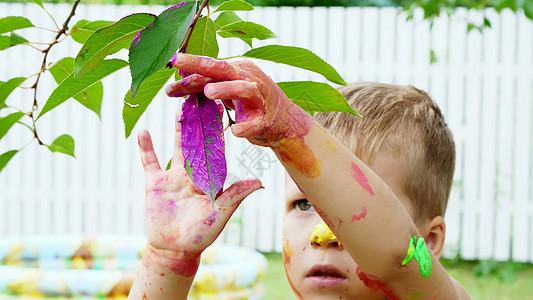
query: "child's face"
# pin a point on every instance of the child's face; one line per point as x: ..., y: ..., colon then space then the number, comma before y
x: 325, y: 270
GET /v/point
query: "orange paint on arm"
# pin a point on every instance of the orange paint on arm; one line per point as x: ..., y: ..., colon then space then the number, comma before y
x: 298, y: 155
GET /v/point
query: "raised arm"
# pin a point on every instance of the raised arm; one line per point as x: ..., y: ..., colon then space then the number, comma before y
x: 180, y: 223
x: 334, y: 180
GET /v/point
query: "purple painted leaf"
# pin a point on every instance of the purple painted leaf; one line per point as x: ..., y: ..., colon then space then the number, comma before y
x: 202, y: 144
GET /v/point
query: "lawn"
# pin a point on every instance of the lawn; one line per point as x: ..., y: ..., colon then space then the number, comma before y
x: 483, y: 279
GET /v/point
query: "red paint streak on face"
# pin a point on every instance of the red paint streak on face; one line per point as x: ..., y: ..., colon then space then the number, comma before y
x: 360, y: 216
x: 211, y: 219
x: 298, y: 155
x: 340, y: 221
x: 372, y: 282
x: 162, y: 274
x: 361, y: 178
x: 286, y: 264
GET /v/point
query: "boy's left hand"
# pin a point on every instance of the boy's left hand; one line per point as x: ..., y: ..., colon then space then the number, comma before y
x: 264, y: 115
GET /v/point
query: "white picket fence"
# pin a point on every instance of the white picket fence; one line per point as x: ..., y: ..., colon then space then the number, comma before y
x: 483, y: 83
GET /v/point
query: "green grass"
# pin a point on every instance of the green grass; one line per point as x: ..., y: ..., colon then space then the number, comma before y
x: 486, y: 280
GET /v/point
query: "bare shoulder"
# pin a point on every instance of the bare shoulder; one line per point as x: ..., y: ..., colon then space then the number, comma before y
x: 463, y: 293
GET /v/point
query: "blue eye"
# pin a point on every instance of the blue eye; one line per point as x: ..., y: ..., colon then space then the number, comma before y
x: 303, y: 205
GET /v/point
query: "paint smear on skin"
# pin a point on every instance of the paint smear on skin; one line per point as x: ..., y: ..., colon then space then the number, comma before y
x: 144, y: 296
x: 416, y: 294
x: 372, y: 282
x: 323, y: 215
x: 332, y: 145
x: 359, y: 216
x: 171, y: 204
x: 361, y: 178
x: 340, y: 221
x: 421, y: 254
x: 322, y: 235
x: 185, y: 266
x: 198, y: 239
x: 211, y: 219
x: 287, y: 248
x: 286, y: 264
x: 161, y: 179
x: 298, y: 155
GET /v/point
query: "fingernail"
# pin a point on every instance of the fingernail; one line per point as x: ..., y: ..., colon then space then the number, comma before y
x: 177, y: 59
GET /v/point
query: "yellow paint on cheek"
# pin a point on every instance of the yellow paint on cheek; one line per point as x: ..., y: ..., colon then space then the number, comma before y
x: 286, y: 246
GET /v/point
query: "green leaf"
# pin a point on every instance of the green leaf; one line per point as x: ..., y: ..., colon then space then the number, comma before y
x: 63, y: 144
x: 203, y: 40
x: 528, y: 9
x: 12, y: 40
x: 234, y: 5
x: 226, y: 18
x: 246, y: 29
x: 296, y: 57
x: 316, y: 97
x: 8, y: 121
x: 6, y: 157
x: 91, y: 97
x: 136, y: 106
x: 7, y: 87
x: 109, y: 40
x: 487, y: 22
x: 72, y: 86
x: 83, y: 29
x: 38, y: 2
x: 432, y: 57
x: 12, y: 23
x: 154, y: 46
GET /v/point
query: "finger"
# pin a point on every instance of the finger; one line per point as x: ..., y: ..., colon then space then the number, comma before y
x: 148, y: 157
x: 252, y: 127
x: 217, y: 69
x: 189, y: 85
x: 230, y: 199
x: 245, y: 91
x: 177, y: 157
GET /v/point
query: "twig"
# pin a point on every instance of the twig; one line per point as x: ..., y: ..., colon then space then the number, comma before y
x: 191, y: 28
x: 61, y: 31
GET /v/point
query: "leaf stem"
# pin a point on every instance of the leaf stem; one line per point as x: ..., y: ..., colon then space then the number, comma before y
x: 193, y: 23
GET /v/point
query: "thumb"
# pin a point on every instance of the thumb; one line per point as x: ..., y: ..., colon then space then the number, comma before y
x: 232, y: 197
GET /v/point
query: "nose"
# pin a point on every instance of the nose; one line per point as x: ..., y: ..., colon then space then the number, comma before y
x: 322, y: 236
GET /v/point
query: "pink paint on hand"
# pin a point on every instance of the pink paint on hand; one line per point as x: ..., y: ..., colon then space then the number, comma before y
x: 361, y: 178
x: 359, y: 216
x: 211, y: 219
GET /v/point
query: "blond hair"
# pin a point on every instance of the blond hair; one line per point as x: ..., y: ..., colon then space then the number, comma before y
x: 409, y: 125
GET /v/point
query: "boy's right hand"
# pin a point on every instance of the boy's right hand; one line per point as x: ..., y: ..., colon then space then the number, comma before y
x: 180, y: 220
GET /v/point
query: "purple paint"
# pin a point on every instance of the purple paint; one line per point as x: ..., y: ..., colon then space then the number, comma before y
x: 171, y: 204
x: 211, y: 219
x: 202, y: 144
x: 198, y: 239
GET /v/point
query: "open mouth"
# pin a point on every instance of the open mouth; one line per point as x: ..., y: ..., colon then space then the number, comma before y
x: 325, y: 276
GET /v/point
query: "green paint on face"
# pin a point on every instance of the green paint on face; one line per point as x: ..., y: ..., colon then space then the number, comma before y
x: 416, y: 295
x: 421, y: 254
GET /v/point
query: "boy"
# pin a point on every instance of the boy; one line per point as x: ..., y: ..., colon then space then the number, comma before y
x: 379, y: 253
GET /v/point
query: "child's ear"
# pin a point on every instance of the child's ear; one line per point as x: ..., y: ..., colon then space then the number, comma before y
x: 435, y: 235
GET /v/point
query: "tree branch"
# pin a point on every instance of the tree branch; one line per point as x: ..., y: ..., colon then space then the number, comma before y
x: 193, y: 23
x: 61, y: 31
